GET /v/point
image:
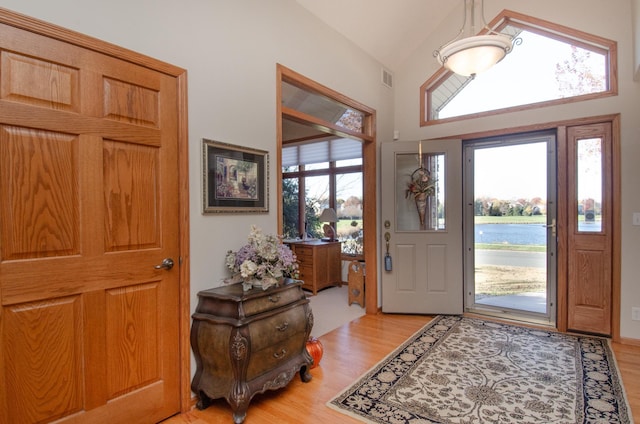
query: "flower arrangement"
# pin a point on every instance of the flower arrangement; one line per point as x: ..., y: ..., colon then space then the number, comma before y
x: 262, y: 262
x: 420, y: 183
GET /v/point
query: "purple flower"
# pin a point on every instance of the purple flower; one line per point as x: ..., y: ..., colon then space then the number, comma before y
x: 264, y: 258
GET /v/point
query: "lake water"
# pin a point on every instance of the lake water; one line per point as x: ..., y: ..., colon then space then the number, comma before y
x: 535, y: 234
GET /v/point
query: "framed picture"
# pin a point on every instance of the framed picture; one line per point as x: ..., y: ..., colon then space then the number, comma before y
x: 235, y: 178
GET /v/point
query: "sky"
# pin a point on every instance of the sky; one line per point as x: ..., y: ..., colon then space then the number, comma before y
x: 514, y: 172
x: 509, y: 82
x: 511, y: 172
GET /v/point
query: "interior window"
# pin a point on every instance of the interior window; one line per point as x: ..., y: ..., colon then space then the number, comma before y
x: 312, y: 166
x: 310, y: 189
x: 322, y: 139
x: 349, y: 210
x: 322, y: 107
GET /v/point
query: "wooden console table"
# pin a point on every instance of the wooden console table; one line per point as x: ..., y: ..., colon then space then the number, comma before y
x: 249, y: 342
x: 320, y: 263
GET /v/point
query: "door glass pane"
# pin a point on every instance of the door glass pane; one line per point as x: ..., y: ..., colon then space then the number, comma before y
x: 589, y: 183
x: 510, y: 233
x: 420, y: 197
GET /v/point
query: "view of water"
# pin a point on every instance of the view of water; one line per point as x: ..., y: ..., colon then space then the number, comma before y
x: 535, y: 234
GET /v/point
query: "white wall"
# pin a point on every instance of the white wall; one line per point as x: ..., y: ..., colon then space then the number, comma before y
x: 635, y: 5
x: 610, y: 19
x: 230, y: 49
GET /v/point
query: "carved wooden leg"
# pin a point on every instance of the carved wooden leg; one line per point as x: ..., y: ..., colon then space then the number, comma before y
x: 239, y: 401
x: 204, y: 401
x: 240, y: 414
x: 239, y: 395
x: 305, y: 375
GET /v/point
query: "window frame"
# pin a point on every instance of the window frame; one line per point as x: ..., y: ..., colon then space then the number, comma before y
x: 332, y: 172
x: 541, y: 27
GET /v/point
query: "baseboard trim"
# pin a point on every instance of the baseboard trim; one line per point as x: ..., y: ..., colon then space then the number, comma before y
x: 629, y: 341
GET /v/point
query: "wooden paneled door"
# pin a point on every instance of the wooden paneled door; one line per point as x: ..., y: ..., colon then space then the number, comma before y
x: 89, y: 209
x: 590, y: 228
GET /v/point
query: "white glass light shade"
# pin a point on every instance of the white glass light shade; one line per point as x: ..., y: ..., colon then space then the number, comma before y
x: 472, y: 55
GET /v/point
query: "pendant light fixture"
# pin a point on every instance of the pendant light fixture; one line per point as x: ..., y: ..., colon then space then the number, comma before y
x: 468, y: 56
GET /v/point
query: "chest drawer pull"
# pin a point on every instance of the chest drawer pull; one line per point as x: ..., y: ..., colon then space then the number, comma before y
x: 281, y: 354
x: 274, y: 298
x: 282, y: 327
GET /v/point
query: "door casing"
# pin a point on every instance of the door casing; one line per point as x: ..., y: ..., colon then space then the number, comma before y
x: 369, y: 164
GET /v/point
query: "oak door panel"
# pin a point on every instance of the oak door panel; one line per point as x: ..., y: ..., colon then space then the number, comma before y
x: 39, y: 193
x: 590, y: 253
x: 43, y: 353
x: 88, y: 208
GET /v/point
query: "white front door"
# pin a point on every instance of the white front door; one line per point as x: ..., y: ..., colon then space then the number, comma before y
x: 422, y: 238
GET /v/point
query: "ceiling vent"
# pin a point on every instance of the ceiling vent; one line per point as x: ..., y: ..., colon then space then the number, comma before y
x: 387, y: 78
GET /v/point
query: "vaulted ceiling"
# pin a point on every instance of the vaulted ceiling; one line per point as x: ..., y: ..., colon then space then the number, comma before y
x: 389, y: 30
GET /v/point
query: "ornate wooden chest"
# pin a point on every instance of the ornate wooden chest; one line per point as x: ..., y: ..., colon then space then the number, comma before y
x: 249, y: 342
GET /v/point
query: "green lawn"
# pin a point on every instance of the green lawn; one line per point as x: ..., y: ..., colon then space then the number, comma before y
x: 517, y: 247
x: 535, y: 219
x: 344, y: 225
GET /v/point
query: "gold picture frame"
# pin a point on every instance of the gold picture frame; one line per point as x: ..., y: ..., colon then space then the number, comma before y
x: 235, y: 178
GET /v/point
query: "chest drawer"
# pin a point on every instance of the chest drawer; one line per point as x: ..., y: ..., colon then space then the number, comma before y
x: 270, y: 302
x: 305, y: 270
x: 232, y: 302
x: 275, y: 329
x: 275, y: 355
x: 304, y: 253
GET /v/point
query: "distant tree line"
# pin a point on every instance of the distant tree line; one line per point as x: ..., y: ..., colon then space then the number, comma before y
x: 486, y: 206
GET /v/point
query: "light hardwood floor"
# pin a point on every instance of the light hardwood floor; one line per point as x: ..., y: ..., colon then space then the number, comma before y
x: 349, y: 351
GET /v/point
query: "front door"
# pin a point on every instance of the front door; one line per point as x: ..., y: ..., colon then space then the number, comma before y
x: 511, y: 227
x: 88, y: 212
x: 422, y: 227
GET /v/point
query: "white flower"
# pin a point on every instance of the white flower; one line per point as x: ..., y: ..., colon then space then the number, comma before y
x: 264, y: 259
x: 248, y: 268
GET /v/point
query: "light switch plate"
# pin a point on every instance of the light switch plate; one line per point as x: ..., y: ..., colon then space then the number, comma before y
x: 636, y: 218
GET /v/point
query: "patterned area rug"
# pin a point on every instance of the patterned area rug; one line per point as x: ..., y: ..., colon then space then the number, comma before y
x: 462, y: 370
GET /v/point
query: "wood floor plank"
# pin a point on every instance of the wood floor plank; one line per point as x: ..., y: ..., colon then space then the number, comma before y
x: 628, y: 360
x: 349, y: 351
